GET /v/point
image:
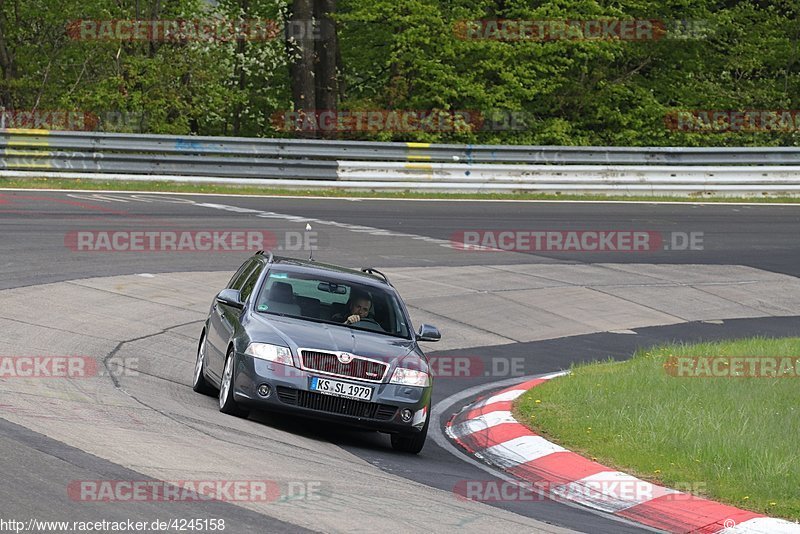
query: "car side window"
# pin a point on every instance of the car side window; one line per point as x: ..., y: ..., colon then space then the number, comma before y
x: 250, y: 283
x: 241, y: 275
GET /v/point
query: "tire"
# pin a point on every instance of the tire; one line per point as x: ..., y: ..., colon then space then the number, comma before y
x: 226, y: 386
x: 411, y: 443
x: 200, y: 383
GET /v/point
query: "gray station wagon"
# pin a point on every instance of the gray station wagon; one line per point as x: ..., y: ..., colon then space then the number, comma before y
x: 318, y: 341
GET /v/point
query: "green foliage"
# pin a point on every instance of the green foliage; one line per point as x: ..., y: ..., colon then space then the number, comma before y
x: 171, y: 86
x: 412, y: 55
x: 603, y: 92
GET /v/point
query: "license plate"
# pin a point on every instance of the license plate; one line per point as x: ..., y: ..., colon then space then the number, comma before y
x: 341, y: 389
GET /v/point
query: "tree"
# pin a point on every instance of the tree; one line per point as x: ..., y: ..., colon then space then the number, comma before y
x: 302, y: 51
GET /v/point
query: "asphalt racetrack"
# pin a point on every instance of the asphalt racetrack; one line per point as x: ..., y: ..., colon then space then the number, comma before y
x: 504, y: 315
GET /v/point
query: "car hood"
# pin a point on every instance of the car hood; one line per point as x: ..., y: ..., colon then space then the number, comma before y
x: 298, y: 333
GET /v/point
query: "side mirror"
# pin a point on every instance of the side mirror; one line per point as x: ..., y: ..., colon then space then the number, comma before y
x: 230, y: 297
x: 428, y: 333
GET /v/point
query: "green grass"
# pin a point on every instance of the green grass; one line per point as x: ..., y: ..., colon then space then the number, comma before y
x: 735, y: 440
x: 103, y: 185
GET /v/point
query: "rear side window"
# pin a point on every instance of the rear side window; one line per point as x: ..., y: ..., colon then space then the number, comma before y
x: 250, y: 283
x: 241, y: 275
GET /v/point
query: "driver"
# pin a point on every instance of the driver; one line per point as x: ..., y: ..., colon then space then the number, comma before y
x: 358, y: 306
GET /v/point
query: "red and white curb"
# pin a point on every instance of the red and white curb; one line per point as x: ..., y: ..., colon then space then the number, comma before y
x: 487, y: 429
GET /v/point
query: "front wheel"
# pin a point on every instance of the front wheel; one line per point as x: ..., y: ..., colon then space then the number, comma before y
x: 411, y: 443
x: 200, y: 383
x: 226, y: 403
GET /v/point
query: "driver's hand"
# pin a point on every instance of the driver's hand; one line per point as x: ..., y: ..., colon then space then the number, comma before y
x: 353, y: 319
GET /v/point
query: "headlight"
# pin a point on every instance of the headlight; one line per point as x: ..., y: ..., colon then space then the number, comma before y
x: 410, y: 377
x: 270, y: 353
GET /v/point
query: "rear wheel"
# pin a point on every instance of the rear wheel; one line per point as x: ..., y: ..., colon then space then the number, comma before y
x: 226, y: 403
x: 411, y: 442
x: 200, y: 383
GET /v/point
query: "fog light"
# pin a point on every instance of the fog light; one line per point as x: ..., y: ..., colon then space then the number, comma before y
x: 406, y: 415
x: 264, y: 390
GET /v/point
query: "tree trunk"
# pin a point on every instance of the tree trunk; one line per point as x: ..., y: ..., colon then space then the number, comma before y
x: 327, y: 73
x: 300, y: 43
x: 7, y: 63
x: 240, y: 74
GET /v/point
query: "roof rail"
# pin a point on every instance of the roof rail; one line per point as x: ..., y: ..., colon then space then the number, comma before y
x: 270, y: 259
x: 373, y: 271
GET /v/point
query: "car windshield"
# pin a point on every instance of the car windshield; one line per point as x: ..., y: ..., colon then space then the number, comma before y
x: 327, y: 299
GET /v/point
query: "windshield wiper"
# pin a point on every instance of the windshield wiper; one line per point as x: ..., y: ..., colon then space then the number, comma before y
x: 384, y: 332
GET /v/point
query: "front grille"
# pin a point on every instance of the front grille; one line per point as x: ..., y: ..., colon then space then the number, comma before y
x: 327, y: 403
x: 328, y: 362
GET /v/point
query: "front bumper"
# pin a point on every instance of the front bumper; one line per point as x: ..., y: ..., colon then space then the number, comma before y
x: 290, y: 392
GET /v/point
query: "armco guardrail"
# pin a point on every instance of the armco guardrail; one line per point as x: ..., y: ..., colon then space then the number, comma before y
x: 372, y: 165
x: 85, y: 143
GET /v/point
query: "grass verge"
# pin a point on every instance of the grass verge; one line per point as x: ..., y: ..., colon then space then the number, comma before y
x: 734, y: 440
x: 173, y: 187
